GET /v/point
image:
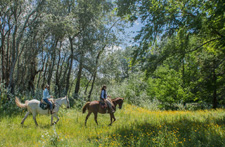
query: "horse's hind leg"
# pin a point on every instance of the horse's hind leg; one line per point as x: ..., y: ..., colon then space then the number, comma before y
x: 25, y: 117
x: 89, y: 113
x: 96, y: 115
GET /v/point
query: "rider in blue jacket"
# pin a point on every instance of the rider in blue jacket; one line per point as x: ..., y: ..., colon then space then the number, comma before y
x: 46, y: 97
x: 103, y: 98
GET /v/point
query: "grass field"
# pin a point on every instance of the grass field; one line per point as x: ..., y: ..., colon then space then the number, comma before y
x: 135, y: 126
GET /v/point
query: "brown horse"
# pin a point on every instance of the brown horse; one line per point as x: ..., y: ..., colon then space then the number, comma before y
x: 95, y: 107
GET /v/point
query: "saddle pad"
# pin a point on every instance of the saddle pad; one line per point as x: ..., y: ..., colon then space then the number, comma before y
x: 43, y: 106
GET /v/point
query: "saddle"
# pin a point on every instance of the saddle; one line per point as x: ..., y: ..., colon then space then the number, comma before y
x: 103, y: 104
x: 45, y: 106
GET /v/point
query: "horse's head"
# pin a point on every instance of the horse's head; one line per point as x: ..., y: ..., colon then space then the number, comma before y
x: 119, y: 101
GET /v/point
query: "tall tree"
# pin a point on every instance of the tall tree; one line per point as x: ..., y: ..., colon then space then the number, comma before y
x: 196, y: 25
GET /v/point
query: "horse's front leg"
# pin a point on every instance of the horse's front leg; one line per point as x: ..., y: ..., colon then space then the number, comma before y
x: 96, y: 115
x: 56, y: 116
x: 114, y: 117
x: 52, y: 120
x: 111, y: 116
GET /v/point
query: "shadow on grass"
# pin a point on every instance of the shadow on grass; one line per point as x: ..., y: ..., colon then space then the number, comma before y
x: 183, y: 132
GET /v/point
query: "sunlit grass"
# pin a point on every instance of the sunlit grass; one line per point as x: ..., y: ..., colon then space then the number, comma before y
x: 134, y: 126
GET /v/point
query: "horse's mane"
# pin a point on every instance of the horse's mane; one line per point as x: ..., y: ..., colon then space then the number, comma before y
x: 115, y: 99
x: 59, y: 98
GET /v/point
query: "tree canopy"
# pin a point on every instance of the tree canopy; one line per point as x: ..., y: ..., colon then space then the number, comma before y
x: 176, y: 57
x: 187, y: 36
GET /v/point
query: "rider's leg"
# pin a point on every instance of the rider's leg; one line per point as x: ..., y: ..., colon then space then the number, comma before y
x: 102, y: 103
x: 49, y: 103
x: 110, y: 105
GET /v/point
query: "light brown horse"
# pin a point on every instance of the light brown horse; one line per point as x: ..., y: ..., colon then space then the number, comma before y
x: 96, y: 108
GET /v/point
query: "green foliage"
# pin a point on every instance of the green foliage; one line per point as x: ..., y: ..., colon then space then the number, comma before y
x: 165, y: 85
x: 3, y: 94
x: 7, y: 103
x: 135, y: 89
x: 186, y: 36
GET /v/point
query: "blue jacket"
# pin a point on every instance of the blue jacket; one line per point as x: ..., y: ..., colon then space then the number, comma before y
x: 103, y: 94
x: 46, y: 94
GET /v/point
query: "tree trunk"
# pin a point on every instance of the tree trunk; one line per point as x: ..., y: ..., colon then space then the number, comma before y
x: 71, y: 65
x: 7, y: 60
x: 44, y: 74
x: 51, y: 66
x: 2, y: 75
x: 14, y: 57
x: 92, y: 85
x: 57, y: 79
x: 77, y: 87
x: 95, y: 71
x: 85, y: 92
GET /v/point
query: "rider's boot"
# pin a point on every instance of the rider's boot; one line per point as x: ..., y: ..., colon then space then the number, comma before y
x: 112, y: 110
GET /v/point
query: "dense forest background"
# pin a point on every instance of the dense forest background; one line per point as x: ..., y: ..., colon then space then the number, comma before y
x: 76, y: 46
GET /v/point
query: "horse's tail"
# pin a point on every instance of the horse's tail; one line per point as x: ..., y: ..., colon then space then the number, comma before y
x: 85, y: 107
x: 19, y: 104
